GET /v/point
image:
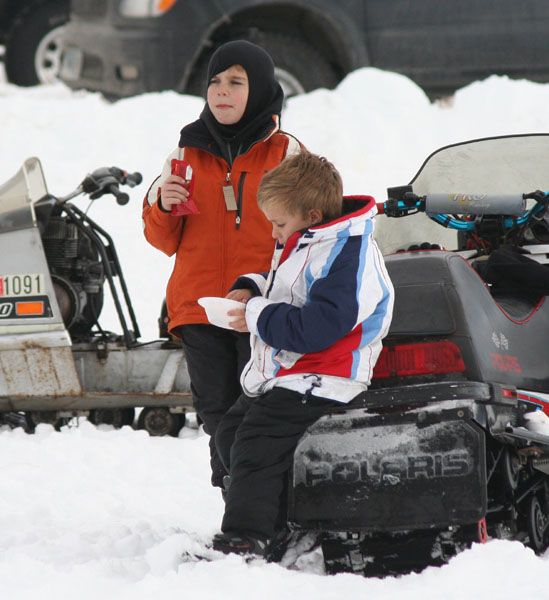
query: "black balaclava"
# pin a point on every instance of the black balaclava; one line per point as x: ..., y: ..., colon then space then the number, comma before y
x: 265, y: 98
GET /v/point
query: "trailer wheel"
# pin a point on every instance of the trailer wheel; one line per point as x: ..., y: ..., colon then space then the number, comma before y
x: 536, y: 523
x: 117, y: 417
x: 14, y: 419
x: 40, y: 417
x: 33, y: 43
x: 159, y: 421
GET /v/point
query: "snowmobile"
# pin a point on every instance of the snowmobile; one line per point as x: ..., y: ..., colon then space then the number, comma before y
x: 440, y: 451
x: 56, y: 361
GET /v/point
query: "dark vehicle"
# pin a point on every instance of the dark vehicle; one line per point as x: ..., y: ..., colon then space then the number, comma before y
x: 441, y: 452
x: 128, y: 47
x: 30, y: 31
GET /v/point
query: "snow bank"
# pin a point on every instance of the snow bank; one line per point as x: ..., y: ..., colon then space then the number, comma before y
x: 88, y: 513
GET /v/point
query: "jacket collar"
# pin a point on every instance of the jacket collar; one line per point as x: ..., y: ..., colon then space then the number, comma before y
x: 356, y: 210
x: 354, y: 207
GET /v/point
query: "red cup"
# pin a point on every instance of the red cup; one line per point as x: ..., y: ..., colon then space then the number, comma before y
x: 183, y: 169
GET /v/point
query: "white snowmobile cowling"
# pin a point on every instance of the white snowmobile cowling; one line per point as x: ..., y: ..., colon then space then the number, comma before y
x: 54, y: 261
x: 35, y: 347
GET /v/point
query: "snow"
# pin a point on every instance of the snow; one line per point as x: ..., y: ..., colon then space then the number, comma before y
x: 537, y: 421
x: 94, y: 513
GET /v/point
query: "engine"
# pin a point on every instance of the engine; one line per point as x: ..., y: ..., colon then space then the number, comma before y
x: 77, y: 274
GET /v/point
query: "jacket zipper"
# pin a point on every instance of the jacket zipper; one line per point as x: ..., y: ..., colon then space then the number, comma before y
x: 239, y: 197
x: 222, y: 237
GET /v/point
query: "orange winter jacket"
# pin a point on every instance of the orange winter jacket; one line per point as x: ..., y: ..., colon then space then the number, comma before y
x: 216, y: 246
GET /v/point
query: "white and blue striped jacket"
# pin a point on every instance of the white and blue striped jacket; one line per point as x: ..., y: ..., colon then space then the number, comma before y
x: 321, y: 312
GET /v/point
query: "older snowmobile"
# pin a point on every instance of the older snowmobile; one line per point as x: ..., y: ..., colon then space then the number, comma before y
x: 56, y: 361
x: 439, y: 452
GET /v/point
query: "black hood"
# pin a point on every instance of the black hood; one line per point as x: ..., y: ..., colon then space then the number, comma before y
x: 265, y: 98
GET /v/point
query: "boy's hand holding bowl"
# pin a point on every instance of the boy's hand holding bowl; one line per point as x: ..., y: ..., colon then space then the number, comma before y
x: 228, y: 312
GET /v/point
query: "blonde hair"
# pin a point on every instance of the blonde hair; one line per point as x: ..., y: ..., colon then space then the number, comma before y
x: 303, y: 182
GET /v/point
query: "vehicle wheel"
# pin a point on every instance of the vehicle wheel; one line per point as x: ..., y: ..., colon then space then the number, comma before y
x: 39, y: 417
x: 299, y: 67
x: 33, y: 43
x: 510, y: 469
x: 160, y: 421
x: 14, y: 419
x: 536, y: 523
x: 117, y: 417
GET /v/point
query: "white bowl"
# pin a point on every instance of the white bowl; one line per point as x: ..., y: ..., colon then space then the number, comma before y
x: 217, y: 309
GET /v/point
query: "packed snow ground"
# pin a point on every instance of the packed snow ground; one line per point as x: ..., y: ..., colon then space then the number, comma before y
x: 93, y: 513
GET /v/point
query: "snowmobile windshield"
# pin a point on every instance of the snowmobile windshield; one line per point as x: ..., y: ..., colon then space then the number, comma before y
x: 499, y: 165
x: 18, y: 195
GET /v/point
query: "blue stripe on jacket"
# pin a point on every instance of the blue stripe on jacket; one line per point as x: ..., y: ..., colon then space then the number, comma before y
x: 359, y: 276
x: 373, y: 325
x: 331, y: 310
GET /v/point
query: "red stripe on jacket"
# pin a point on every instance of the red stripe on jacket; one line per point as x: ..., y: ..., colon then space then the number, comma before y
x: 337, y: 360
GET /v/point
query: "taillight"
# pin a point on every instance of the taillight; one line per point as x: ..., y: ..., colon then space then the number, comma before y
x: 425, y: 358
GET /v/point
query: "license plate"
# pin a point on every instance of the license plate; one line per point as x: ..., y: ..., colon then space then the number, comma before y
x: 22, y: 284
x: 71, y: 64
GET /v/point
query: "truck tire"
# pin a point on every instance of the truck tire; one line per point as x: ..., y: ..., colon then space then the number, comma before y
x: 299, y: 67
x: 33, y: 43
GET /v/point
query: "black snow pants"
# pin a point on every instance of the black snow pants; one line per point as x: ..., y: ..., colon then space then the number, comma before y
x: 215, y: 359
x: 256, y: 440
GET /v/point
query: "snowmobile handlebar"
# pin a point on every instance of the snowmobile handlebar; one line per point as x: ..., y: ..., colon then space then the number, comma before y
x: 442, y: 208
x: 106, y: 180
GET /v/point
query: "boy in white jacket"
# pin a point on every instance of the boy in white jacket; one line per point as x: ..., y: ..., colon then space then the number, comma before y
x: 317, y: 320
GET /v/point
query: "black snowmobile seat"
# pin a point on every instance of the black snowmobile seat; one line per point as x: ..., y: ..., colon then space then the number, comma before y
x: 517, y: 283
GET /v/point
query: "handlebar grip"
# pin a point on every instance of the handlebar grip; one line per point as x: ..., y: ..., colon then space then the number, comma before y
x: 133, y: 179
x: 475, y: 204
x: 121, y: 197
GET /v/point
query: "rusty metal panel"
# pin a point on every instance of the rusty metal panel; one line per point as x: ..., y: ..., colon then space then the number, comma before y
x: 149, y: 369
x: 38, y: 372
x: 37, y: 364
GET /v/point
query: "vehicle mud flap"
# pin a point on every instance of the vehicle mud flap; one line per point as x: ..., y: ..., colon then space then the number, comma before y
x: 389, y: 473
